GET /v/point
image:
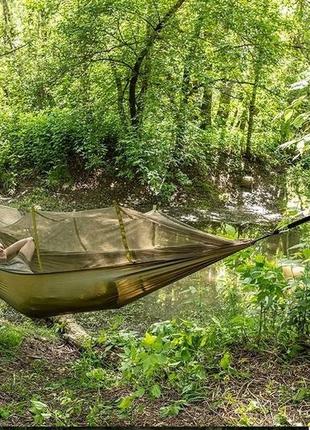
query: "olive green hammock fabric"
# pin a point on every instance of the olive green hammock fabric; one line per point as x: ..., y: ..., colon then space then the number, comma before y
x: 102, y: 258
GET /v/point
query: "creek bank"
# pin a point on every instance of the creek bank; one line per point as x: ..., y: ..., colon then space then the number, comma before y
x: 217, y: 199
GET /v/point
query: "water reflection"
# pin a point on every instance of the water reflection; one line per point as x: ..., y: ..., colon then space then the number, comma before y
x: 252, y: 213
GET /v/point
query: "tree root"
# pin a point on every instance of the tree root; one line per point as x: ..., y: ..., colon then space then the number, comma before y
x: 72, y: 332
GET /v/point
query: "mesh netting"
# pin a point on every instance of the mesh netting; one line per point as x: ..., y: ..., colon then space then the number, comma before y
x: 106, y: 237
x: 101, y: 259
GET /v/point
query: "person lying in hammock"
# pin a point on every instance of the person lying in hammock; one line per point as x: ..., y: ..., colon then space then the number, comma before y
x: 17, y: 257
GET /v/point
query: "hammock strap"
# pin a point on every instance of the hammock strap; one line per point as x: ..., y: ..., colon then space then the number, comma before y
x: 123, y: 232
x: 297, y: 223
x: 286, y: 228
x: 36, y: 237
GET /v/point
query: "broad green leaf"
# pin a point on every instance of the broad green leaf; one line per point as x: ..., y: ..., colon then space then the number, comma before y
x: 225, y: 361
x: 155, y: 391
x: 139, y: 392
x: 149, y: 339
x: 125, y: 402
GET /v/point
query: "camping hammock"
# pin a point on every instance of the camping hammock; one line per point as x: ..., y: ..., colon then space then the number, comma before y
x: 103, y: 258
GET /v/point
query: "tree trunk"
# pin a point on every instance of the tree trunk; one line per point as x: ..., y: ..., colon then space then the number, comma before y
x: 252, y: 105
x: 8, y: 37
x: 8, y: 34
x: 236, y: 117
x: 182, y: 112
x: 224, y: 104
x: 242, y: 123
x: 135, y: 73
x: 120, y: 96
x: 144, y: 76
x: 186, y: 89
x: 206, y: 107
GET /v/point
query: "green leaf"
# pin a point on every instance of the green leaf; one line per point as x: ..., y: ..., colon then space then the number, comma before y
x: 149, y: 339
x: 38, y: 406
x: 302, y: 394
x: 155, y: 391
x: 125, y: 402
x: 300, y: 120
x: 288, y: 115
x: 97, y: 374
x: 4, y: 412
x: 225, y: 361
x: 170, y: 411
x: 139, y: 392
x: 230, y: 230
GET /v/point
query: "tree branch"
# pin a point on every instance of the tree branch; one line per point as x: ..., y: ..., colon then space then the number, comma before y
x: 111, y: 59
x: 4, y: 54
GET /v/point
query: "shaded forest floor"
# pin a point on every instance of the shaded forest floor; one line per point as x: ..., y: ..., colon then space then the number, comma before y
x: 42, y: 382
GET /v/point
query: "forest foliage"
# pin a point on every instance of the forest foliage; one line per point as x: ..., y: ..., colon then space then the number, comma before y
x: 148, y: 89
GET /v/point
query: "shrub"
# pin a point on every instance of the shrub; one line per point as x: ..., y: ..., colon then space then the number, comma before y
x: 51, y: 142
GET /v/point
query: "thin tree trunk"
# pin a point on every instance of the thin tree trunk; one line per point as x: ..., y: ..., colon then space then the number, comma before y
x: 251, y: 115
x: 206, y: 107
x: 8, y: 34
x: 252, y: 106
x: 243, y: 119
x: 8, y: 37
x: 185, y: 88
x: 261, y: 317
x: 135, y: 73
x: 144, y: 75
x: 224, y: 105
x: 120, y: 96
x: 236, y: 118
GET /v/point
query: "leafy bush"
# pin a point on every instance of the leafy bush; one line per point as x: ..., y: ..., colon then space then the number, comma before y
x: 91, y: 371
x: 280, y: 306
x: 52, y: 141
x: 266, y: 279
x: 177, y: 355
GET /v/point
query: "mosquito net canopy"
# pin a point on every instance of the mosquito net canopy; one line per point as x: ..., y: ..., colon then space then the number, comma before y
x: 102, y: 258
x: 114, y: 236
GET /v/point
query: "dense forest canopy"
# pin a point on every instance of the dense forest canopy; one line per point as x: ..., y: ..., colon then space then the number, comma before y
x: 149, y: 89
